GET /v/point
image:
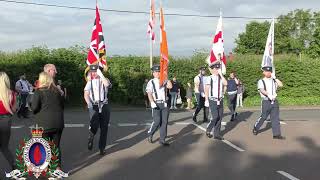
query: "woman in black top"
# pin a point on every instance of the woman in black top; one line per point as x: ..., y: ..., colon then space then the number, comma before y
x: 47, y: 105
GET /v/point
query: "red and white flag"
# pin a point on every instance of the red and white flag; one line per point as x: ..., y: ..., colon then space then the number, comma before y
x: 218, y: 48
x: 97, y: 49
x: 152, y: 21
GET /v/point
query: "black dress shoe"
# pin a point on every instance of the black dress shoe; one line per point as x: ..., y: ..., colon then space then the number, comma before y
x: 279, y: 137
x: 102, y: 152
x: 208, y: 134
x: 150, y: 139
x: 90, y: 141
x: 194, y: 118
x: 219, y: 138
x: 254, y: 131
x: 164, y: 143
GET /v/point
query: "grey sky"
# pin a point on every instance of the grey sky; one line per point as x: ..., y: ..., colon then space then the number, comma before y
x: 23, y: 26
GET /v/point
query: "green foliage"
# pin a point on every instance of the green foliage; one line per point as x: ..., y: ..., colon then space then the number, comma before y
x: 297, y: 32
x: 127, y: 74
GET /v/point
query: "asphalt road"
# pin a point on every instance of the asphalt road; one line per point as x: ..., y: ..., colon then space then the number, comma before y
x: 191, y: 154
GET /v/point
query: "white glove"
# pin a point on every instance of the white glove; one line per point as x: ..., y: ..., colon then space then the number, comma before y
x: 206, y: 103
x: 153, y: 105
x: 89, y: 106
x: 165, y: 105
x: 271, y: 97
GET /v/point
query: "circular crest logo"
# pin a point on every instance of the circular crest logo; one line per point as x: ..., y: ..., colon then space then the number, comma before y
x: 37, y: 155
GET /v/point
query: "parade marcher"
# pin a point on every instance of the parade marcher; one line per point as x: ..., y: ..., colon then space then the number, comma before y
x: 200, y: 95
x: 232, y: 94
x: 240, y: 94
x: 269, y: 105
x: 47, y: 105
x: 174, y: 92
x: 158, y: 101
x: 24, y: 88
x: 189, y: 96
x: 96, y: 97
x: 214, y: 99
x: 7, y: 108
x: 145, y: 94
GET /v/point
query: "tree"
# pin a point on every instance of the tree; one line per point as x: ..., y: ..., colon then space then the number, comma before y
x: 253, y: 39
x: 314, y: 48
x: 294, y: 33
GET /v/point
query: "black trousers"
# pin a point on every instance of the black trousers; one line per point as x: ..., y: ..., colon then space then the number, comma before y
x: 55, y: 136
x: 160, y: 119
x: 200, y: 105
x: 100, y: 120
x: 23, y: 110
x: 5, y: 132
x: 217, y: 114
x: 232, y: 103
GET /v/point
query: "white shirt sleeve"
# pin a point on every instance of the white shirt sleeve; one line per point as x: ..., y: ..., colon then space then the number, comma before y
x: 196, y: 80
x: 149, y: 88
x: 88, y: 86
x: 260, y: 85
x: 207, y: 80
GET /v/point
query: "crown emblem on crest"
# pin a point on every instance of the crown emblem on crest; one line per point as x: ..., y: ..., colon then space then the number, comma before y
x: 37, y: 132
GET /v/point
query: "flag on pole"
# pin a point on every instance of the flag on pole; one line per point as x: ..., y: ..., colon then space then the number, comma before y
x: 217, y: 50
x: 164, y: 55
x: 152, y: 21
x: 97, y: 49
x: 267, y: 59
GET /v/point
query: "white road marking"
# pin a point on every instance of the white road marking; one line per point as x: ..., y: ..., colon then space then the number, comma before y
x: 225, y: 141
x: 287, y: 175
x: 74, y: 125
x: 16, y: 127
x: 281, y: 122
x: 232, y: 145
x: 182, y: 123
x: 127, y: 124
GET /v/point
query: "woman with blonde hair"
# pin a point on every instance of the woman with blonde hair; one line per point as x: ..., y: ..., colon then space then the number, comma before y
x: 7, y: 108
x: 47, y: 105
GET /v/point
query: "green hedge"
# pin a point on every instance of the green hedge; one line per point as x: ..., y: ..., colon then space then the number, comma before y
x: 301, y: 78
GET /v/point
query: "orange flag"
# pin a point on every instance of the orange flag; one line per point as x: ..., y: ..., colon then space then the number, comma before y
x: 164, y: 55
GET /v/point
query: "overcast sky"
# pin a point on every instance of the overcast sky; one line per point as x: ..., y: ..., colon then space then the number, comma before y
x: 24, y: 26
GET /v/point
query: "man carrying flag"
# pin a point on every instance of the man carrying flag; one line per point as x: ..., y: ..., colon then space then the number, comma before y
x: 96, y: 89
x: 216, y: 83
x: 268, y: 90
x: 157, y: 89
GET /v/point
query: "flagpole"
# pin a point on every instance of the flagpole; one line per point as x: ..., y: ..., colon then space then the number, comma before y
x: 151, y: 43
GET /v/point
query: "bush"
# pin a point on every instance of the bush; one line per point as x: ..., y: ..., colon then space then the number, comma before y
x: 300, y: 78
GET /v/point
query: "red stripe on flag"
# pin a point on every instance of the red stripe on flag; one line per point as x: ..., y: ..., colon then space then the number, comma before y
x: 217, y: 37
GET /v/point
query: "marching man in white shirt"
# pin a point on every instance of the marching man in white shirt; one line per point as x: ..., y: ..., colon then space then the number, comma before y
x: 200, y: 96
x: 214, y: 91
x: 269, y: 105
x: 96, y: 97
x: 158, y: 100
